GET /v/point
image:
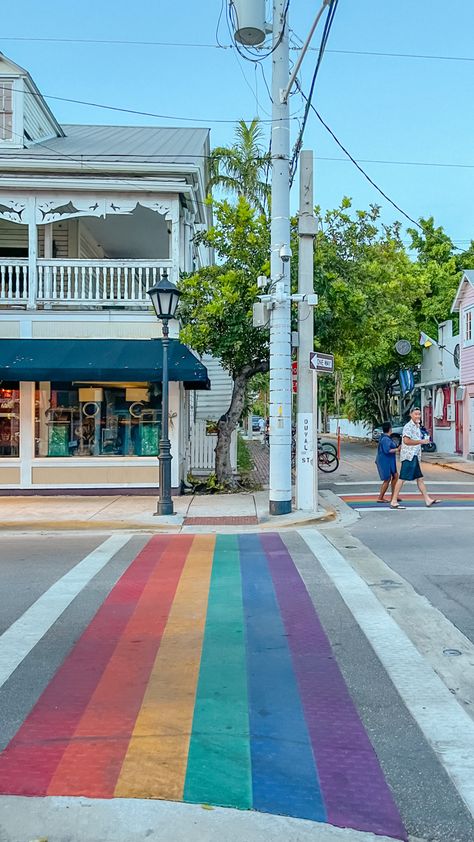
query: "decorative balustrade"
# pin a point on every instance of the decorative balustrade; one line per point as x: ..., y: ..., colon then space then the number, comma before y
x: 14, y: 281
x: 88, y: 283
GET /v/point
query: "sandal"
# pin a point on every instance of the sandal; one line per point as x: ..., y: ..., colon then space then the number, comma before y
x: 397, y: 507
x: 433, y: 503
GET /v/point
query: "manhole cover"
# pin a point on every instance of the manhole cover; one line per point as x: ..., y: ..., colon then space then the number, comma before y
x: 452, y: 652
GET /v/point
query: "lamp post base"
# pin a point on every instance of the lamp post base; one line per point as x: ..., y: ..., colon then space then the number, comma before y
x: 164, y: 507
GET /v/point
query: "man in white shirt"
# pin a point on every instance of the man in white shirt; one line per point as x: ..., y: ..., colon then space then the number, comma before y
x: 410, y: 456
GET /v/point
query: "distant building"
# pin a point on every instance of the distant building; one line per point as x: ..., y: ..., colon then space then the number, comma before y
x: 90, y: 217
x: 439, y: 391
x: 464, y: 305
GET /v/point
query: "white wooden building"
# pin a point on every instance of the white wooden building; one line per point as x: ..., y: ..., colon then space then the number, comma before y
x: 90, y: 217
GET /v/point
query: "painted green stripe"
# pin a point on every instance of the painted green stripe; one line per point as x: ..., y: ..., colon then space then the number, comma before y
x: 218, y: 769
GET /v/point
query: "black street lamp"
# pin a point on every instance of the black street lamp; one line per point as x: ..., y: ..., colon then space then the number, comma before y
x: 164, y: 297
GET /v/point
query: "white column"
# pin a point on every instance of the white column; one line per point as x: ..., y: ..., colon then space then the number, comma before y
x: 48, y: 240
x: 307, y: 411
x: 280, y: 342
x: 174, y: 241
x: 174, y: 413
x: 32, y: 253
x: 27, y: 432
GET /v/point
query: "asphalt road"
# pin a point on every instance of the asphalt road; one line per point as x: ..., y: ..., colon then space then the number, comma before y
x: 432, y: 549
x: 355, y: 696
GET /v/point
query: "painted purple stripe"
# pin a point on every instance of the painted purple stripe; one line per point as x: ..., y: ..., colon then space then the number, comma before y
x: 354, y: 788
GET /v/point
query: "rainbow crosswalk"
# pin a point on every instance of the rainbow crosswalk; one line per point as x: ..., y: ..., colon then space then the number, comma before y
x: 456, y: 500
x: 205, y: 676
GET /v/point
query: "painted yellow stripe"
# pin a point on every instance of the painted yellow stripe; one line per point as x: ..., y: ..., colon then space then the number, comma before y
x: 155, y: 763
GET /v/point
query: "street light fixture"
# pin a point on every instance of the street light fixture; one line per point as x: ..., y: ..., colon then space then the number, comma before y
x: 164, y: 297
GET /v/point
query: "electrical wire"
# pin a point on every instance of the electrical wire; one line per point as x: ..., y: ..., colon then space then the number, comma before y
x: 221, y: 46
x: 299, y: 141
x: 361, y: 170
x: 131, y: 43
x: 140, y: 113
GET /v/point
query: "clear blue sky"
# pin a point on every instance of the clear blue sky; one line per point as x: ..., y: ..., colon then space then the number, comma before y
x: 381, y: 108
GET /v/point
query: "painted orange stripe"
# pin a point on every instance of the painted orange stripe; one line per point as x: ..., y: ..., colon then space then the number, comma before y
x: 155, y: 765
x: 91, y: 762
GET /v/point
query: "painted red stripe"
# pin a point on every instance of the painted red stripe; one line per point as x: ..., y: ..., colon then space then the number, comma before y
x: 30, y: 759
x: 93, y: 759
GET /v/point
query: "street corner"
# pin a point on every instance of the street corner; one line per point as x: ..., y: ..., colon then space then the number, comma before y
x: 206, y: 676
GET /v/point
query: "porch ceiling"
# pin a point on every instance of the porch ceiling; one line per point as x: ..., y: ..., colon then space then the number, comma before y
x: 142, y: 234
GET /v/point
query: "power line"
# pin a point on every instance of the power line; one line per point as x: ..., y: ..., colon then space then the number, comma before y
x: 327, y: 29
x: 140, y: 113
x: 361, y: 170
x: 219, y: 46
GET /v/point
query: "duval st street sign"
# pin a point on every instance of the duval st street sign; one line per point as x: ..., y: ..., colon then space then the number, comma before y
x: 323, y: 363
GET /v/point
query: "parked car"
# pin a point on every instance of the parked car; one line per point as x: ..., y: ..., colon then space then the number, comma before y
x: 256, y: 423
x: 397, y: 430
x: 396, y: 436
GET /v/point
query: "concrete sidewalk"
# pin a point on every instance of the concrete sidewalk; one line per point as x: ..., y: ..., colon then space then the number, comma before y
x: 447, y: 460
x: 194, y: 513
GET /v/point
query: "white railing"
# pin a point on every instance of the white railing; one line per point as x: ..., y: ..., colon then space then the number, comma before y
x: 106, y: 283
x: 88, y: 283
x: 14, y: 281
x: 203, y: 457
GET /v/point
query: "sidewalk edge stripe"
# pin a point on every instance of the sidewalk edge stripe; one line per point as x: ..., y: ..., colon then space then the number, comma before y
x: 23, y: 635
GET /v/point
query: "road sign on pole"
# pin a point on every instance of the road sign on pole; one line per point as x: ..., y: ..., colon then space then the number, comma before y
x: 321, y: 362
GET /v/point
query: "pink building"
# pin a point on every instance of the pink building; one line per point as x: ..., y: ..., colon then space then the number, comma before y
x: 464, y: 305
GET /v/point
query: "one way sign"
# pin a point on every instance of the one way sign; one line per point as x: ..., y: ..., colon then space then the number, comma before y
x: 321, y: 362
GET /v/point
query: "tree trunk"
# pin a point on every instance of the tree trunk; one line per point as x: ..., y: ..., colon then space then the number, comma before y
x: 229, y: 422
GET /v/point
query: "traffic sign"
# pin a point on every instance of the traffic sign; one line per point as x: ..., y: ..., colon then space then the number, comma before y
x: 321, y: 362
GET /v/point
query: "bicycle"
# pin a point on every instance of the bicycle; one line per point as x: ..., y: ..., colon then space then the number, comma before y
x: 327, y: 460
x: 327, y: 445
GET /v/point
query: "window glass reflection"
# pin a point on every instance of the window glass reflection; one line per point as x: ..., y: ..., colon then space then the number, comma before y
x: 97, y: 419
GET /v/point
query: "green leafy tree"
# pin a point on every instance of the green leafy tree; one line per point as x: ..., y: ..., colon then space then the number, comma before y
x: 216, y: 310
x: 240, y: 169
x: 371, y: 293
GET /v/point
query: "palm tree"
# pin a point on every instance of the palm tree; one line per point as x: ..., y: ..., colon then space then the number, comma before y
x: 241, y: 168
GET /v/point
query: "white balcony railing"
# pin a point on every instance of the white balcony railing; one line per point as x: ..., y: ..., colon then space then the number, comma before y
x: 90, y: 283
x: 14, y: 281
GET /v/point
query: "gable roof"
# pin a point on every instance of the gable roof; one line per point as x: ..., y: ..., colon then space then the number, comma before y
x: 139, y: 144
x: 16, y: 70
x: 467, y: 278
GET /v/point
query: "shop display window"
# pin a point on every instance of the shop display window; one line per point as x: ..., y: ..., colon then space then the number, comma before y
x: 9, y: 419
x: 97, y: 419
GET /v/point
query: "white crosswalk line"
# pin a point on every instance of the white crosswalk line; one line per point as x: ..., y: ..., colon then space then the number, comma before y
x: 20, y: 638
x: 446, y: 726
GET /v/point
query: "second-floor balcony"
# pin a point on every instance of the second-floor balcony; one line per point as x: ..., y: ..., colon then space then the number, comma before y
x: 59, y: 282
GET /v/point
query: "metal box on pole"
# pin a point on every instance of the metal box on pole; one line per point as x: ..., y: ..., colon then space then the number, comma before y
x: 250, y: 21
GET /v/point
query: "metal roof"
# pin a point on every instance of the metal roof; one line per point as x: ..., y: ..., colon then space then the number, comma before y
x: 137, y: 144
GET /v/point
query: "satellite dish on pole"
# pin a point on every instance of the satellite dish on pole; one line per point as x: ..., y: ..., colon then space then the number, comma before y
x: 403, y: 347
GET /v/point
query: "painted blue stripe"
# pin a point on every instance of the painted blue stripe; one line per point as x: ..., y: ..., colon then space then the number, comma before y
x: 284, y: 775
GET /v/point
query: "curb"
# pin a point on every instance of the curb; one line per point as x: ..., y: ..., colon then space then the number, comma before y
x: 453, y: 467
x: 79, y: 525
x: 330, y: 514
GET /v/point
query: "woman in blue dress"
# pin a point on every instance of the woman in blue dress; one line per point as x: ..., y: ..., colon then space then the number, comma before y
x: 386, y: 461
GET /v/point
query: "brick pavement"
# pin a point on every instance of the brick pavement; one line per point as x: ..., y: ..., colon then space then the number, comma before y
x: 261, y: 462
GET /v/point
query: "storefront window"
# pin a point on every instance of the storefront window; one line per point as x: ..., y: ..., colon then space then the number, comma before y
x: 9, y: 419
x: 75, y: 419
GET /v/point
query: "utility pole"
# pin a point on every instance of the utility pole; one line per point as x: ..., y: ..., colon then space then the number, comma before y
x: 307, y: 408
x: 250, y: 30
x: 280, y: 325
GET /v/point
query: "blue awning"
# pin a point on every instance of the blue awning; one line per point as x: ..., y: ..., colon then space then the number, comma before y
x: 99, y: 360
